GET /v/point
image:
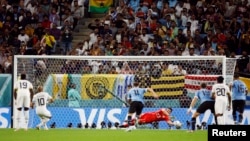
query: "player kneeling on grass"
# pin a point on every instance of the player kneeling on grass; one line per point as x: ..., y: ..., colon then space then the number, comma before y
x: 163, y: 114
x: 40, y: 101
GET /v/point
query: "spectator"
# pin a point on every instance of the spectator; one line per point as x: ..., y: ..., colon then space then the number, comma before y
x: 23, y: 37
x: 54, y: 31
x: 66, y: 38
x: 48, y: 41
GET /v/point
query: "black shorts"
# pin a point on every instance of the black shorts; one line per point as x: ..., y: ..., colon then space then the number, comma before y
x: 238, y: 105
x: 207, y: 105
x: 136, y: 107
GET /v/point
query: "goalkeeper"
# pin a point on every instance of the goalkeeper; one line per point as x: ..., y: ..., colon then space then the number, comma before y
x: 163, y: 114
x: 73, y: 96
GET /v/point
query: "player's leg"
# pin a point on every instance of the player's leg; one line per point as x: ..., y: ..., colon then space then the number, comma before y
x: 47, y: 117
x: 220, y: 107
x: 211, y: 107
x: 234, y: 109
x: 38, y: 126
x: 19, y: 105
x: 201, y: 109
x: 193, y: 120
x: 138, y: 112
x: 26, y: 110
x: 132, y: 110
x: 241, y: 106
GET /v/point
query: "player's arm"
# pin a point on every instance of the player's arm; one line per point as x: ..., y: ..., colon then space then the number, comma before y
x: 152, y: 92
x: 165, y: 112
x: 32, y: 103
x: 51, y: 100
x: 213, y: 95
x: 170, y: 123
x: 15, y: 94
x: 31, y: 93
x: 193, y: 102
x: 229, y: 100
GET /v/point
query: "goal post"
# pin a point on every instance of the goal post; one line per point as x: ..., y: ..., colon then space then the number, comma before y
x: 102, y: 82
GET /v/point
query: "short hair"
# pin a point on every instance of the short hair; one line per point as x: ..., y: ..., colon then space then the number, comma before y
x: 220, y: 79
x: 236, y: 75
x: 203, y: 85
x: 170, y: 109
x: 136, y: 83
x: 23, y: 76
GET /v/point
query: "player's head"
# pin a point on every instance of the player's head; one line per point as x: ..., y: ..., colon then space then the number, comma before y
x: 169, y: 110
x: 136, y: 84
x: 40, y: 88
x: 23, y: 76
x: 72, y: 85
x: 203, y: 85
x: 220, y: 79
x: 236, y: 76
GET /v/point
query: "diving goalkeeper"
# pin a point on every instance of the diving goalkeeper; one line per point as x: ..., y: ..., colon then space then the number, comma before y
x: 163, y: 114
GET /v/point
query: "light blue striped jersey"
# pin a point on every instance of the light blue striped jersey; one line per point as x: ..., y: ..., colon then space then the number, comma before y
x: 204, y: 95
x: 137, y: 94
x: 238, y: 90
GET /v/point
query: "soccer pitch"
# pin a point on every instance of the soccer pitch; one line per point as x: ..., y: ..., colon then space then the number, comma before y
x: 102, y: 135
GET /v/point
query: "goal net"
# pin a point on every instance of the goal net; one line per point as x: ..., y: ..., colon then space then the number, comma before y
x: 102, y: 82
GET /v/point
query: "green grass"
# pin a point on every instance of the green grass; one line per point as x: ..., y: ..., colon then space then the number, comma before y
x: 101, y: 135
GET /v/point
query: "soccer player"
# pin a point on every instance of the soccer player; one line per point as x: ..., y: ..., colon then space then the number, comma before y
x: 136, y: 100
x: 222, y: 95
x: 23, y: 93
x: 206, y: 103
x: 163, y: 114
x: 239, y: 92
x: 73, y: 96
x: 40, y: 101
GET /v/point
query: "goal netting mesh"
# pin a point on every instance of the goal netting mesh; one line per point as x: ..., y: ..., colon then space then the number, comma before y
x: 102, y: 82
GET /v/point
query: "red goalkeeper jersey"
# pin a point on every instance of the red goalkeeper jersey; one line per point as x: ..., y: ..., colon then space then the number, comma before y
x: 154, y: 116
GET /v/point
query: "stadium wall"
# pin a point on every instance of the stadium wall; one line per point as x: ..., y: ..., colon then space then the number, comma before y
x: 97, y: 115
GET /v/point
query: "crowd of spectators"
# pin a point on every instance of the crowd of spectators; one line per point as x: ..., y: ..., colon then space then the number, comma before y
x: 130, y: 28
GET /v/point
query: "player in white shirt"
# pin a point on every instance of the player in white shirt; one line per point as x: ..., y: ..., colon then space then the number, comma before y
x: 23, y: 93
x: 40, y: 101
x: 222, y: 95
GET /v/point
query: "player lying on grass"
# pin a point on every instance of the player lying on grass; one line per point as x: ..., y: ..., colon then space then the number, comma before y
x: 163, y: 114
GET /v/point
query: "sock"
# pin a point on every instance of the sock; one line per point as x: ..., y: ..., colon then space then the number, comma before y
x: 44, y: 122
x: 129, y: 120
x: 41, y: 123
x: 240, y: 118
x: 18, y: 117
x: 234, y: 116
x: 26, y: 117
x: 193, y: 122
x: 215, y: 120
x: 220, y: 120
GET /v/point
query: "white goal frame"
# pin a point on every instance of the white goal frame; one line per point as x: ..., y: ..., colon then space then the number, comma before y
x: 114, y: 58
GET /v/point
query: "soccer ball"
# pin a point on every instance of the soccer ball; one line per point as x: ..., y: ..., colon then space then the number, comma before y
x: 178, y: 124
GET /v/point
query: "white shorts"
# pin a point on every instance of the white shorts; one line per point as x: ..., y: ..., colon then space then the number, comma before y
x: 220, y: 105
x: 41, y: 112
x: 23, y: 100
